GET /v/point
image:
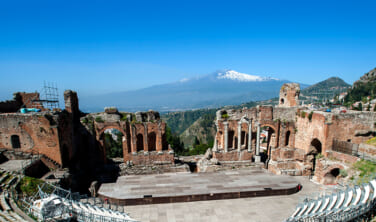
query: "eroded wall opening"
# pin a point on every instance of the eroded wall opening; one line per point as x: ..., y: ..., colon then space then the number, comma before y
x: 287, y: 138
x: 314, y: 149
x: 140, y: 142
x: 15, y: 141
x: 230, y: 139
x: 331, y: 177
x: 152, y: 139
x: 113, y: 143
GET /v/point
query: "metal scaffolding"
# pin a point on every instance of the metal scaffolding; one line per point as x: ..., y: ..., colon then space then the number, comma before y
x: 52, y: 203
x: 49, y: 95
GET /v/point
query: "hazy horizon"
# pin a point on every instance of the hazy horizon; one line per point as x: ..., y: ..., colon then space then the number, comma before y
x: 96, y: 47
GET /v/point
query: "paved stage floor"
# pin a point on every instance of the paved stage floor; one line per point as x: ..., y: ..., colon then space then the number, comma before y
x: 184, y: 184
x: 256, y: 209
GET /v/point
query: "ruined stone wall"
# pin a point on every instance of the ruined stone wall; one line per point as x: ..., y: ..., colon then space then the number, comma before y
x: 21, y: 100
x: 37, y: 133
x: 233, y: 156
x: 307, y: 130
x: 144, y: 135
x: 285, y: 114
x: 289, y: 95
x: 279, y: 120
x: 355, y: 127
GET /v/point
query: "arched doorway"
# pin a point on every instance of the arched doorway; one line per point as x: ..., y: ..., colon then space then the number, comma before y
x: 140, y: 142
x: 316, y: 145
x: 287, y: 138
x: 113, y: 143
x: 15, y: 141
x: 266, y: 134
x: 314, y: 149
x: 230, y: 139
x: 331, y: 176
x: 152, y: 141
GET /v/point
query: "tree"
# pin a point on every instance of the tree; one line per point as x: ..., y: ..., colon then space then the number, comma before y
x: 360, y: 106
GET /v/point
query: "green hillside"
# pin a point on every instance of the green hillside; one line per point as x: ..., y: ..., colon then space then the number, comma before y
x: 324, y: 90
x: 363, y: 88
x: 198, y: 125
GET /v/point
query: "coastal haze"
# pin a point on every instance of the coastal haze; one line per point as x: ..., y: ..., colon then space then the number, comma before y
x: 227, y: 87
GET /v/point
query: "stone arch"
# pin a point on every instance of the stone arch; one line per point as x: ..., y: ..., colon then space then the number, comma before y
x: 282, y: 100
x: 331, y: 174
x: 140, y: 142
x: 231, y: 134
x: 15, y: 141
x: 103, y: 142
x: 315, y: 147
x: 101, y: 131
x: 152, y: 139
x: 271, y: 130
x: 287, y: 138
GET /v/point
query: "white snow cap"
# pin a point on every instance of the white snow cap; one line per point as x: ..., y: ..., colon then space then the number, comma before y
x: 242, y: 77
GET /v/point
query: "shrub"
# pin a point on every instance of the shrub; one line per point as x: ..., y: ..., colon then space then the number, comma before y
x: 303, y: 114
x: 343, y: 173
x: 29, y: 185
x: 99, y: 119
x: 319, y: 156
x: 225, y: 116
x: 85, y: 120
x: 310, y: 116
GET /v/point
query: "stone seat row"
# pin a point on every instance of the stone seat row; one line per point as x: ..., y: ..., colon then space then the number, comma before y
x: 342, y: 202
x: 7, y: 213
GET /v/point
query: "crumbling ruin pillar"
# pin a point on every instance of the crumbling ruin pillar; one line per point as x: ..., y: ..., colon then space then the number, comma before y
x: 257, y: 157
x: 215, y: 146
x: 226, y: 136
x: 250, y: 136
x: 133, y: 140
x: 159, y: 138
x: 146, y: 147
x: 239, y: 135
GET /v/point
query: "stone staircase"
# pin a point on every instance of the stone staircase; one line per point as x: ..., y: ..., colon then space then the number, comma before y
x: 350, y: 204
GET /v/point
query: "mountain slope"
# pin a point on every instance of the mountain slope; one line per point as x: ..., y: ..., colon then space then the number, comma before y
x: 196, y: 123
x: 214, y: 90
x: 324, y: 90
x: 363, y: 88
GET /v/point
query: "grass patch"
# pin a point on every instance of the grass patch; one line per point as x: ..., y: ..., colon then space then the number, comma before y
x: 367, y: 170
x: 372, y: 141
x: 29, y: 185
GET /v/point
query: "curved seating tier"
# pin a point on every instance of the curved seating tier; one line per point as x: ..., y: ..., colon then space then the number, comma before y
x: 344, y: 205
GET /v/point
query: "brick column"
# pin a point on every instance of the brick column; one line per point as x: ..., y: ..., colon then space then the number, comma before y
x: 159, y: 139
x: 146, y: 147
x: 239, y: 135
x: 257, y: 157
x: 225, y: 134
x: 133, y: 139
x: 250, y: 136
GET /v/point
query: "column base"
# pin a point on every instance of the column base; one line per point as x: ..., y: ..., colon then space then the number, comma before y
x: 257, y: 159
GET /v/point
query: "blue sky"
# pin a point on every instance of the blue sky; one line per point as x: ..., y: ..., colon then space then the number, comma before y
x: 95, y: 47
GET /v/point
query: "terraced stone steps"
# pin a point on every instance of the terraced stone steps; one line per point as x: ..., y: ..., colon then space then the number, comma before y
x: 347, y: 204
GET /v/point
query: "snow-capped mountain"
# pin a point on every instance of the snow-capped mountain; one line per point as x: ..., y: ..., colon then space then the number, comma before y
x: 242, y: 77
x: 214, y: 90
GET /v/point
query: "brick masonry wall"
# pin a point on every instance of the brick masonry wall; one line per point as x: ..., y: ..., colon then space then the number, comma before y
x: 35, y: 132
x: 233, y: 156
x: 149, y: 158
